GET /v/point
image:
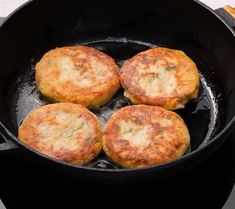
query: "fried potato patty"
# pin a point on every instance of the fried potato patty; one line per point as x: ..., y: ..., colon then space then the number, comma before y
x: 162, y: 77
x: 77, y: 74
x: 64, y: 131
x: 140, y: 136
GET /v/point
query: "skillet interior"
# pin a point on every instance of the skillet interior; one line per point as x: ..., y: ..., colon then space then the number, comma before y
x: 121, y: 32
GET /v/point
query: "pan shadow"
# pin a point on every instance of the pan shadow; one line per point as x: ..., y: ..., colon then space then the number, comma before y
x: 24, y: 185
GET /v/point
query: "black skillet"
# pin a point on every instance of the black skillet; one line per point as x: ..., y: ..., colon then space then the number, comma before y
x: 121, y: 29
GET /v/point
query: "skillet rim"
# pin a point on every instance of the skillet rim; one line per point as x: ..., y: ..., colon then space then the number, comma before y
x: 123, y: 170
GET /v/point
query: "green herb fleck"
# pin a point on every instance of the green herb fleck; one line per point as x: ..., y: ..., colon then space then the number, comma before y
x: 152, y: 77
x: 170, y: 68
x: 130, y: 129
x: 161, y: 133
x: 70, y: 136
x: 87, y: 138
x: 81, y: 125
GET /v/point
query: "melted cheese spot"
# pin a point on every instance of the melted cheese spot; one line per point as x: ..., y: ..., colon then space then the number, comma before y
x: 165, y: 122
x: 159, y: 82
x: 128, y: 95
x: 99, y: 69
x: 64, y: 131
x: 87, y: 78
x: 134, y: 134
x: 70, y: 72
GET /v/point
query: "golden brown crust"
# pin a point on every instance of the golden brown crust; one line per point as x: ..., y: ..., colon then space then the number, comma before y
x: 160, y: 76
x: 77, y: 74
x: 140, y: 136
x: 64, y: 131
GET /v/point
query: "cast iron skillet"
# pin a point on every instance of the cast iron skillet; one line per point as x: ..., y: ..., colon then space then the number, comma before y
x: 121, y: 29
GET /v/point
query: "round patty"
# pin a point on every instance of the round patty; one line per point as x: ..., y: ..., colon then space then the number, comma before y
x: 162, y: 77
x: 64, y: 131
x: 140, y: 136
x: 77, y: 74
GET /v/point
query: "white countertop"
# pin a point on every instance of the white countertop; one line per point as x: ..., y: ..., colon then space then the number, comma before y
x: 215, y: 4
x: 7, y: 6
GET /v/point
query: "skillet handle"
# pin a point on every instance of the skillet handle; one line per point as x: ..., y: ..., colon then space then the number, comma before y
x: 227, y: 13
x: 230, y: 10
x: 8, y: 145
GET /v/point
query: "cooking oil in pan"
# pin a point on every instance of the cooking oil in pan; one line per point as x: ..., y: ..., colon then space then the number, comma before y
x: 200, y: 115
